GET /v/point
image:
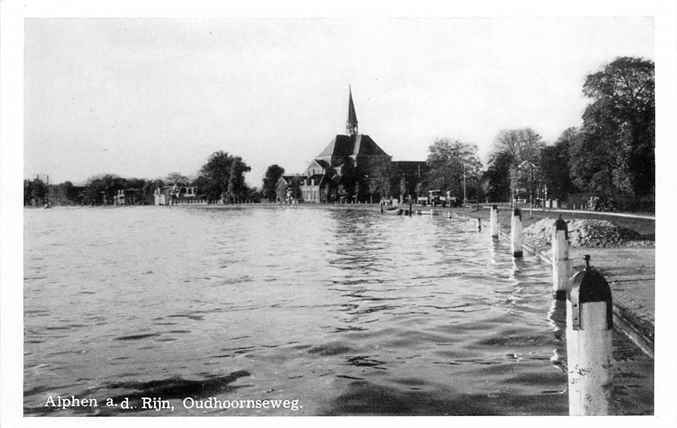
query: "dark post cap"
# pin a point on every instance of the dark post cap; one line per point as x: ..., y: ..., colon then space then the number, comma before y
x: 589, y: 285
x: 560, y: 224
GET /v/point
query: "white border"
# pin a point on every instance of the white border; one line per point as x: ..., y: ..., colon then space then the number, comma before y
x: 11, y: 175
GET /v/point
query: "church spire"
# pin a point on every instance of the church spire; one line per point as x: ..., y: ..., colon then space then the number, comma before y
x: 351, y: 123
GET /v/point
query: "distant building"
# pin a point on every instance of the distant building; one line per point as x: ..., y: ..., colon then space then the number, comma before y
x: 167, y: 195
x: 312, y: 189
x: 126, y: 197
x: 287, y: 189
x: 352, y: 168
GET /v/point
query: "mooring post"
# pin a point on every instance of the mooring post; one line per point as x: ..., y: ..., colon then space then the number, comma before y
x: 479, y: 224
x: 493, y: 222
x: 588, y: 337
x: 516, y: 232
x: 561, y: 266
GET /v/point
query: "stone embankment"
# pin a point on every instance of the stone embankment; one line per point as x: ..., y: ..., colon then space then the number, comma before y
x: 586, y: 233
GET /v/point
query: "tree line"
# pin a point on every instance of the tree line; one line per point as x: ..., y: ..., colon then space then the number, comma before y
x: 221, y: 178
x: 609, y: 156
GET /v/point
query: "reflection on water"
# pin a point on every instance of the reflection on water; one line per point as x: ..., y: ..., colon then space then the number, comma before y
x: 348, y: 311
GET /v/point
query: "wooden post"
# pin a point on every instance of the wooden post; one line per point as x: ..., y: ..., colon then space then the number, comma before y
x: 561, y: 266
x: 493, y: 222
x: 516, y: 232
x: 589, y: 347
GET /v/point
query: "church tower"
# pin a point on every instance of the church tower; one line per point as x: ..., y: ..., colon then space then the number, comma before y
x: 351, y: 123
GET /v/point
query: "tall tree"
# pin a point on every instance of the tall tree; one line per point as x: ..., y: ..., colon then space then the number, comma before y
x: 214, y: 175
x: 496, y: 179
x: 554, y: 165
x: 618, y: 128
x: 273, y: 174
x: 522, y: 148
x: 236, y: 190
x: 449, y: 161
x: 521, y: 145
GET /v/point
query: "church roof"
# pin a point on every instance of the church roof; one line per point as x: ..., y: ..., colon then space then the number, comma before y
x: 345, y: 145
x: 322, y: 163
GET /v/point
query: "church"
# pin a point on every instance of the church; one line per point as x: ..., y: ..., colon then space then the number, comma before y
x: 353, y: 168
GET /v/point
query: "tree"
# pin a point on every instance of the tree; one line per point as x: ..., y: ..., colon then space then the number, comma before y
x: 496, y: 178
x: 39, y: 190
x: 273, y: 174
x: 63, y: 193
x: 521, y: 145
x: 592, y: 165
x: 618, y: 128
x: 27, y: 192
x: 453, y: 162
x: 348, y: 181
x: 35, y: 191
x: 148, y: 189
x: 177, y: 178
x: 214, y: 176
x: 101, y: 189
x: 554, y: 165
x: 254, y: 195
x: 373, y: 183
x: 237, y: 189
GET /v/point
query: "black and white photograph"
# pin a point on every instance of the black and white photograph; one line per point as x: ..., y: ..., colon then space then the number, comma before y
x: 340, y: 214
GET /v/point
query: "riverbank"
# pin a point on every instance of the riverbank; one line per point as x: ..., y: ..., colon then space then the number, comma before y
x: 630, y: 270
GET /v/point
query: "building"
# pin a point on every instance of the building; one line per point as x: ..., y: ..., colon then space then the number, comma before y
x: 353, y: 168
x: 125, y: 197
x: 287, y: 189
x: 167, y: 195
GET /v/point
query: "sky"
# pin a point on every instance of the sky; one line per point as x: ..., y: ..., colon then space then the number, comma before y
x: 146, y: 97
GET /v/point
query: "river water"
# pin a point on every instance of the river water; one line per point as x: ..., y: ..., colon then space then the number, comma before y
x: 344, y: 310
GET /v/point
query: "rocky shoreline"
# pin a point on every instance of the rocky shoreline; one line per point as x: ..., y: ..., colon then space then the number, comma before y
x: 586, y: 233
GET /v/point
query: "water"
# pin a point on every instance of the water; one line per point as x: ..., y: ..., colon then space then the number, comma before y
x: 347, y: 311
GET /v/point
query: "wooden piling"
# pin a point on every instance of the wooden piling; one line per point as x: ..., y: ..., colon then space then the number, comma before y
x: 589, y: 343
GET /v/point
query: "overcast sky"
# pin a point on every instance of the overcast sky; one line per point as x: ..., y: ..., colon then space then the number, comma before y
x: 145, y: 97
